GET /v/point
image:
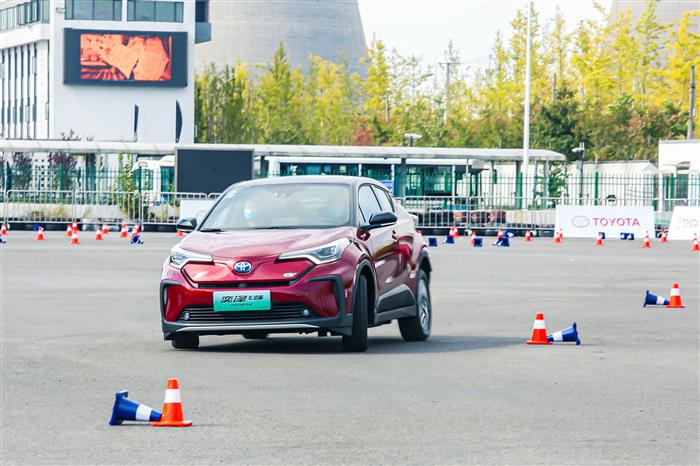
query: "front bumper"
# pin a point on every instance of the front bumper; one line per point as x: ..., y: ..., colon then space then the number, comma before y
x: 187, y: 308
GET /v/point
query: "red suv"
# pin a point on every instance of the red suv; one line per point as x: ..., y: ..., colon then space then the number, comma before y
x: 305, y: 254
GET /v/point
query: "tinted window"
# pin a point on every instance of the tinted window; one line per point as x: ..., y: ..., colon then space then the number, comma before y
x: 384, y: 201
x: 368, y: 203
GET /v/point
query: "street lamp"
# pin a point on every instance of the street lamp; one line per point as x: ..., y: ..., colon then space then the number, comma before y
x: 581, y: 149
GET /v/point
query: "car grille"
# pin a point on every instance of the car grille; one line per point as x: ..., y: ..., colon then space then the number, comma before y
x: 278, y: 312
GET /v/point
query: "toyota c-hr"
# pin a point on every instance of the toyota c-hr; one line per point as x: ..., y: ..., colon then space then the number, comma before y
x: 330, y: 255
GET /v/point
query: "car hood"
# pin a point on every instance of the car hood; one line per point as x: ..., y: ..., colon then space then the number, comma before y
x: 260, y: 243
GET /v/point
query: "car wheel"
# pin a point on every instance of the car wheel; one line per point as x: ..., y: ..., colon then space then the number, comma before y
x: 358, y: 340
x: 185, y: 341
x: 255, y: 335
x: 417, y: 328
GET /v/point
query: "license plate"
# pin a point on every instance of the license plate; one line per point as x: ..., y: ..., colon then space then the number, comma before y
x: 258, y: 300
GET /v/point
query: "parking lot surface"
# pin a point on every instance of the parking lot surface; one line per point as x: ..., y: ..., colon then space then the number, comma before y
x: 80, y: 322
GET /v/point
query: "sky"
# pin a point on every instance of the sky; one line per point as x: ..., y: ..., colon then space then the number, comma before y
x: 424, y: 27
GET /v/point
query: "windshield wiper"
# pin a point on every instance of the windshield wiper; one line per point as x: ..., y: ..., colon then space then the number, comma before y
x: 211, y: 230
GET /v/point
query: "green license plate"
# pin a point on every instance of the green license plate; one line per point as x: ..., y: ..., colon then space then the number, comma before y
x: 258, y: 300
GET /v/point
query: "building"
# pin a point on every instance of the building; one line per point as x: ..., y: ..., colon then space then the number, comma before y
x: 104, y: 70
x: 249, y: 32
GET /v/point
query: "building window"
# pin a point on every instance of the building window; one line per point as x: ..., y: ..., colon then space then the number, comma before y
x: 158, y: 11
x: 101, y: 10
x: 23, y: 14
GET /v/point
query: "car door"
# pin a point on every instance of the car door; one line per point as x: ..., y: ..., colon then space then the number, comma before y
x: 382, y: 241
x: 401, y: 233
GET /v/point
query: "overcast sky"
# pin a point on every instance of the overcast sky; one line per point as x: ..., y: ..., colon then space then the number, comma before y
x: 424, y: 27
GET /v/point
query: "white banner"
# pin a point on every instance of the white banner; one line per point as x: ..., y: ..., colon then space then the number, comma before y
x: 587, y: 221
x: 685, y: 223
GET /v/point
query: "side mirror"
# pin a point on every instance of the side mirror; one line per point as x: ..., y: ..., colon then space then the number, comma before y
x: 186, y: 224
x: 381, y: 219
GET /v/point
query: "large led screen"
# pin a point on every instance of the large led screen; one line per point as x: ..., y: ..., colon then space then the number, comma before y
x: 125, y: 57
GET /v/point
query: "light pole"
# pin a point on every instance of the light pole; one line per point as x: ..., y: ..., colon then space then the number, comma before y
x: 581, y: 149
x: 526, y: 104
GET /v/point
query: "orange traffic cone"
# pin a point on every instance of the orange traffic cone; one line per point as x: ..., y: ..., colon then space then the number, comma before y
x: 472, y: 238
x: 647, y: 241
x: 696, y: 246
x: 136, y: 229
x: 180, y: 233
x: 599, y: 241
x: 74, y: 227
x: 172, y: 408
x: 74, y: 237
x: 674, y: 301
x: 69, y: 231
x: 124, y: 232
x: 105, y: 229
x: 3, y: 230
x: 539, y: 332
x: 98, y: 234
x: 528, y: 236
x: 500, y: 233
x: 455, y: 233
x: 664, y: 237
x: 40, y: 234
x: 557, y: 237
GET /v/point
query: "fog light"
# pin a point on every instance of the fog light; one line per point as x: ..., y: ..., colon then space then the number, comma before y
x: 185, y: 315
x: 306, y: 313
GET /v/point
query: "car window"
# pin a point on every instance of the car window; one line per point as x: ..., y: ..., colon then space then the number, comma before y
x: 384, y: 200
x: 278, y: 205
x: 368, y: 202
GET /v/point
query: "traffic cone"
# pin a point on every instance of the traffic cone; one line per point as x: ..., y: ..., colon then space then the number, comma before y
x: 472, y: 238
x: 74, y: 238
x: 568, y: 334
x: 695, y: 246
x: 500, y: 233
x: 503, y: 242
x: 124, y: 232
x: 179, y: 233
x: 69, y: 231
x: 98, y: 235
x: 105, y: 229
x: 136, y: 229
x: 528, y: 236
x: 599, y: 241
x: 674, y: 301
x: 454, y: 232
x: 128, y: 410
x: 136, y: 239
x: 647, y: 241
x: 539, y: 332
x: 40, y: 234
x: 2, y: 241
x: 449, y: 239
x: 74, y: 227
x: 478, y: 242
x: 557, y: 237
x: 664, y: 237
x: 432, y: 242
x: 3, y: 230
x: 652, y: 300
x: 172, y: 408
x: 420, y: 233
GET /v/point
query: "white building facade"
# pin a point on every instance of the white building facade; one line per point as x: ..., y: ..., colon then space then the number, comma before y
x: 103, y: 70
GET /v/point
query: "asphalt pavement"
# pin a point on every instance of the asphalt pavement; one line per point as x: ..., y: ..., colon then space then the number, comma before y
x: 79, y: 323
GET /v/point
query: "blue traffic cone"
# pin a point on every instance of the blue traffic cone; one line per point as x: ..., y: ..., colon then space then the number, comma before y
x: 627, y: 236
x: 127, y: 410
x: 432, y: 242
x: 449, y: 239
x: 652, y: 300
x: 568, y: 334
x: 478, y: 242
x: 2, y: 241
x: 136, y: 239
x: 602, y: 234
x: 503, y: 242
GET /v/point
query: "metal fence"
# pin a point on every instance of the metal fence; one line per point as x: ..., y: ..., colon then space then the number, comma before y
x: 151, y: 208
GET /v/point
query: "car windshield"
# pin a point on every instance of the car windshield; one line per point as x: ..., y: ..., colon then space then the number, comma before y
x: 272, y: 206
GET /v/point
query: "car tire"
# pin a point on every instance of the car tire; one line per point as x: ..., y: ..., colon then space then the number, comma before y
x: 417, y: 328
x: 357, y: 342
x: 255, y: 335
x: 185, y: 341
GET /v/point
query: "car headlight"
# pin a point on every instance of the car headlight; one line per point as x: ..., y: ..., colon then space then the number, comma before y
x: 319, y: 254
x: 179, y: 257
